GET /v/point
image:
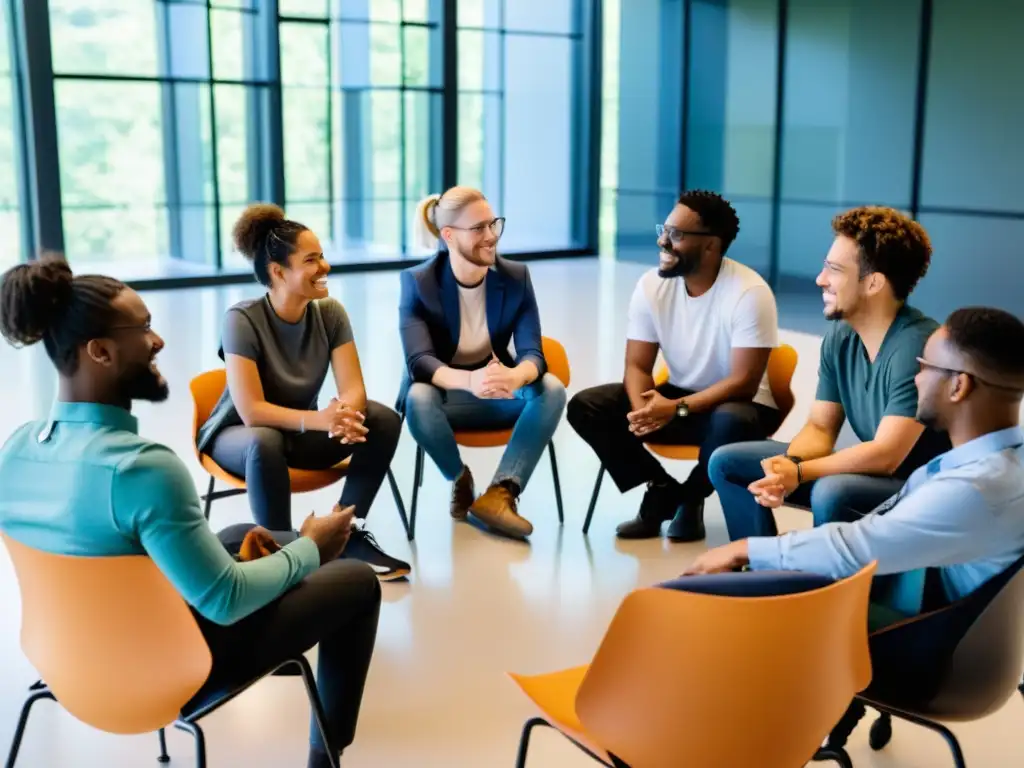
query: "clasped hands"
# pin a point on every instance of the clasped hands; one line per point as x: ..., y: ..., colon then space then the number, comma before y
x: 344, y: 422
x: 653, y: 415
x: 781, y: 478
x: 495, y: 381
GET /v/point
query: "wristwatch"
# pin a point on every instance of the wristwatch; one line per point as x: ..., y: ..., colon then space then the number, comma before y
x: 682, y: 409
x: 799, y: 472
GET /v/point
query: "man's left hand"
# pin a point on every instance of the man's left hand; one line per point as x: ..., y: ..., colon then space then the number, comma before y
x: 655, y: 414
x: 500, y: 381
x: 783, y: 472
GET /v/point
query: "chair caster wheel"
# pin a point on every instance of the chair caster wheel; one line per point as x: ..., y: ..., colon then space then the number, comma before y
x: 881, y: 732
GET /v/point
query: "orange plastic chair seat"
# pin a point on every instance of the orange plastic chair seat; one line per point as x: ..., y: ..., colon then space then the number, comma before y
x: 677, y: 452
x: 303, y: 480
x: 554, y: 694
x: 488, y: 438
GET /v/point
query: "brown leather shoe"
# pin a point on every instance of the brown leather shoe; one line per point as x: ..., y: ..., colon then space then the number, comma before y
x: 463, y: 494
x: 497, y: 508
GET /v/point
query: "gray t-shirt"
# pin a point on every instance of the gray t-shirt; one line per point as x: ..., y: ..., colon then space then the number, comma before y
x: 292, y: 358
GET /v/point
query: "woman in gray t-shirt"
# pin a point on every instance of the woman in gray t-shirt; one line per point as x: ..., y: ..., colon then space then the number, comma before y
x: 277, y: 350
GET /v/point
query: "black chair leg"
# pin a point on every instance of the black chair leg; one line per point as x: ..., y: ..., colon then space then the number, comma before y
x: 164, y: 757
x: 318, y: 708
x: 197, y: 734
x: 417, y: 481
x: 208, y: 498
x: 835, y: 754
x: 524, y: 740
x: 558, y: 485
x: 399, y: 503
x: 593, y: 500
x: 1021, y: 687
x: 36, y: 692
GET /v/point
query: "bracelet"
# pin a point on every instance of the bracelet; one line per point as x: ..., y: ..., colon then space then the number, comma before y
x: 799, y: 471
x: 302, y: 425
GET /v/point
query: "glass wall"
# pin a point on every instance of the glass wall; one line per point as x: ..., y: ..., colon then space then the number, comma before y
x: 172, y: 115
x: 518, y: 93
x: 730, y: 129
x: 797, y: 110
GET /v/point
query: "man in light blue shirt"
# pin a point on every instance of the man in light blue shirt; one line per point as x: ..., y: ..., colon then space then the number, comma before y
x: 962, y: 513
x: 85, y: 483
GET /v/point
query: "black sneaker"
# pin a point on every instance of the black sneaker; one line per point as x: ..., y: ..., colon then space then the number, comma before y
x: 659, y: 504
x: 688, y: 524
x: 363, y: 546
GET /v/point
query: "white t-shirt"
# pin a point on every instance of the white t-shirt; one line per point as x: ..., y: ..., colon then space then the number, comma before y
x: 474, y: 335
x: 697, y: 334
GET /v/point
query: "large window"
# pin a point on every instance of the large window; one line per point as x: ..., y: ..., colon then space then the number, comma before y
x: 153, y: 136
x: 10, y: 222
x: 518, y: 112
x: 362, y: 108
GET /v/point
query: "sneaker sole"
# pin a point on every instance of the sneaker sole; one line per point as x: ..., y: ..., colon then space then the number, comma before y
x: 393, y: 575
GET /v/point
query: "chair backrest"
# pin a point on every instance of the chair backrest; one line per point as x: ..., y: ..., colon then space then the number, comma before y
x: 985, y: 669
x: 556, y: 358
x: 206, y: 389
x: 110, y: 636
x: 727, y: 681
x: 781, y: 367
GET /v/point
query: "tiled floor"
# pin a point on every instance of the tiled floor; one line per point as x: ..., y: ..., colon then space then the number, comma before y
x: 476, y: 605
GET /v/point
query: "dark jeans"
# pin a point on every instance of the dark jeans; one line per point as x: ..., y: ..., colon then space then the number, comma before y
x: 336, y: 606
x: 262, y: 455
x: 838, y: 498
x: 598, y: 415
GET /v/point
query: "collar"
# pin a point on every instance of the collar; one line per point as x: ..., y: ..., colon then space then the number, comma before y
x: 977, y: 449
x: 93, y: 413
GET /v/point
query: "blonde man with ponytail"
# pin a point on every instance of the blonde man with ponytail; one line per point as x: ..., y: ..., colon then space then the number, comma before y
x: 459, y: 313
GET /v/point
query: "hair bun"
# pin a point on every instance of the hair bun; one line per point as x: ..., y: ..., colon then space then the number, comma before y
x: 33, y: 297
x: 254, y: 226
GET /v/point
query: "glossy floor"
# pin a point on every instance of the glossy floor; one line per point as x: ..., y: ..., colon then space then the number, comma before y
x: 476, y: 605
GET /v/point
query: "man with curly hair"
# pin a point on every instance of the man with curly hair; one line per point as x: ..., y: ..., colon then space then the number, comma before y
x: 715, y: 322
x: 866, y: 376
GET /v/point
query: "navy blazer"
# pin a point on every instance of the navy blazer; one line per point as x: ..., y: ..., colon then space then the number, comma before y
x: 429, y: 318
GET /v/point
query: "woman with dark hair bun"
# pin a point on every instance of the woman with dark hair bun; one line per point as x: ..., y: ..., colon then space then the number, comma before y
x: 277, y: 350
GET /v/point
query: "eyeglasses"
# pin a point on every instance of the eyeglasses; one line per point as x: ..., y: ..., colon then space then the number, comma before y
x: 497, y: 226
x: 954, y: 372
x: 676, y: 235
x: 145, y: 327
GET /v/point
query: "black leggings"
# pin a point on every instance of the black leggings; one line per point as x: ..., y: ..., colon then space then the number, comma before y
x: 262, y: 455
x: 336, y: 606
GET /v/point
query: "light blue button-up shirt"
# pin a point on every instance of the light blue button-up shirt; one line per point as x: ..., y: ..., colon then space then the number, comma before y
x: 85, y: 483
x: 963, y: 513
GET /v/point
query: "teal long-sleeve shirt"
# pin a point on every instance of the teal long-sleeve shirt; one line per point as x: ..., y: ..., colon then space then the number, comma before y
x: 85, y: 483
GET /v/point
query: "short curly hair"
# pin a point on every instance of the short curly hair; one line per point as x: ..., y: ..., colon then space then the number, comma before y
x: 890, y: 243
x: 716, y: 213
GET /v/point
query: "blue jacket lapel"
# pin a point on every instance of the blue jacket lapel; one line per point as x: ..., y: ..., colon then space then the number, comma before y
x: 450, y: 302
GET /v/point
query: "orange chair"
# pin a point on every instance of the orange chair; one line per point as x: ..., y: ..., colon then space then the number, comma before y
x: 117, y: 646
x: 781, y: 366
x: 715, y: 682
x: 206, y: 389
x: 558, y: 366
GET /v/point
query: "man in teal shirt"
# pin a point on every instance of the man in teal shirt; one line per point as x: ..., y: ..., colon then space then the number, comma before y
x: 85, y: 483
x: 866, y: 376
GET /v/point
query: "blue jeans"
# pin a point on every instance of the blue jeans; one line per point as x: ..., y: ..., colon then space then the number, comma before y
x: 434, y: 415
x: 837, y: 498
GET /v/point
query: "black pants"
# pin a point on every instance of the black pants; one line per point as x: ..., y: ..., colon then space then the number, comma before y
x: 598, y: 415
x: 262, y: 455
x: 336, y: 606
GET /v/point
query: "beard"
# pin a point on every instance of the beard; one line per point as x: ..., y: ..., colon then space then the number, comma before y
x: 686, y: 264
x: 143, y: 383
x: 480, y: 257
x: 834, y: 314
x: 929, y: 417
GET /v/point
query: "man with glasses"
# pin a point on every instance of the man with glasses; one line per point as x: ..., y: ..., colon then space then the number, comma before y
x: 715, y: 322
x: 865, y: 376
x: 458, y: 314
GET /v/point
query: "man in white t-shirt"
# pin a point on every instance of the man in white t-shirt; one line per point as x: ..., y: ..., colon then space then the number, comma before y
x: 715, y: 322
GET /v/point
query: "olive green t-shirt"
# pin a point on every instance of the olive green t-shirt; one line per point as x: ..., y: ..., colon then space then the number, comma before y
x: 869, y: 391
